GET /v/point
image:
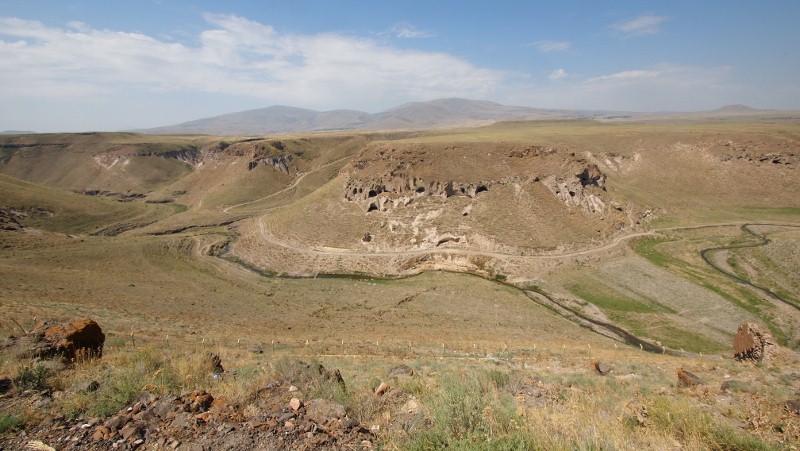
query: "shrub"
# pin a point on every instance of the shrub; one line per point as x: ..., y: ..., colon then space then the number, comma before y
x: 33, y: 378
x: 10, y: 422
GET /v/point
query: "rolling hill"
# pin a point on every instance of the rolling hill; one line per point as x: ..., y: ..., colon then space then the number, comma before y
x: 452, y: 112
x: 416, y: 115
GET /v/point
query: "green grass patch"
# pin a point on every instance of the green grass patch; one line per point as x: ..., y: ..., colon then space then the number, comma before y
x: 743, y: 299
x: 134, y: 371
x: 648, y: 248
x: 668, y: 335
x: 607, y: 299
x: 10, y: 422
x: 33, y: 377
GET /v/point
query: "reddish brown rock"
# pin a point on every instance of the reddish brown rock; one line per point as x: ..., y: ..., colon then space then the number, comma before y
x: 81, y: 338
x: 295, y: 404
x: 100, y: 433
x: 383, y: 388
x: 687, y: 379
x: 196, y: 401
x: 754, y: 343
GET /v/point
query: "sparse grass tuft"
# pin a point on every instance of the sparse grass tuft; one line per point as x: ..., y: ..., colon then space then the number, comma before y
x: 33, y: 377
x: 10, y: 422
x: 470, y: 412
x: 687, y: 423
x: 129, y: 373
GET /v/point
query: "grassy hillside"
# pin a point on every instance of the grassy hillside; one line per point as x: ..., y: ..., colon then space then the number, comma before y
x: 503, y: 300
x: 62, y: 211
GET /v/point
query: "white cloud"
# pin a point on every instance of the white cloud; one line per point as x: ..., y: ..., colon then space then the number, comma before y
x: 557, y: 74
x: 404, y: 30
x: 234, y: 56
x: 625, y: 76
x: 552, y: 46
x: 656, y: 88
x: 640, y: 26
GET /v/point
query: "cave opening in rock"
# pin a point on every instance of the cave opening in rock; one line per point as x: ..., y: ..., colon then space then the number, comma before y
x: 372, y: 193
x: 372, y: 207
x: 482, y: 189
x: 572, y: 193
x: 420, y: 190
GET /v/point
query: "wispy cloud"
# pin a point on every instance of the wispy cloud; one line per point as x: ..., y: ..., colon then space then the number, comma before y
x: 625, y: 76
x: 552, y: 46
x: 234, y: 56
x: 640, y: 26
x: 660, y: 87
x: 404, y: 30
x: 557, y: 74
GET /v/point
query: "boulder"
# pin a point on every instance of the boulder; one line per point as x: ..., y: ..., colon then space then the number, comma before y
x: 295, y: 404
x: 687, y: 379
x: 601, y: 368
x: 196, y: 401
x: 79, y: 338
x: 334, y: 375
x: 5, y: 385
x: 321, y: 411
x: 382, y: 388
x: 753, y: 343
x: 401, y: 370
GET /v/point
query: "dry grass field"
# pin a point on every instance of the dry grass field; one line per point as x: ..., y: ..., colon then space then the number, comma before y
x: 501, y: 298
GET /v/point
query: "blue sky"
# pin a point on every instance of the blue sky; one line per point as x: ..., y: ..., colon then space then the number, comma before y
x: 110, y: 65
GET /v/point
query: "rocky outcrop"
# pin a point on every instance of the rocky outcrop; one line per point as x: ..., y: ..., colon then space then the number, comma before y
x: 573, y: 193
x: 754, y: 343
x: 189, y: 155
x: 81, y: 338
x: 121, y: 197
x: 591, y: 175
x: 393, y: 191
x: 9, y: 219
x: 687, y: 379
x: 531, y: 151
x: 279, y: 163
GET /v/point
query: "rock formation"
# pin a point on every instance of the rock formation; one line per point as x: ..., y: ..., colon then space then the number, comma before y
x: 9, y: 219
x: 753, y: 343
x: 687, y: 379
x: 573, y: 193
x: 395, y: 190
x: 78, y: 338
x: 280, y: 163
x: 591, y: 175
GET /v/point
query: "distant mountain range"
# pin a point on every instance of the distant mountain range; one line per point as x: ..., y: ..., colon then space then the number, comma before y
x: 410, y: 116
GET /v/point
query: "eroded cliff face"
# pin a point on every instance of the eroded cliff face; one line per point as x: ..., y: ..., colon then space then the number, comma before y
x: 280, y: 163
x: 499, y: 197
x: 394, y: 190
x: 580, y: 190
